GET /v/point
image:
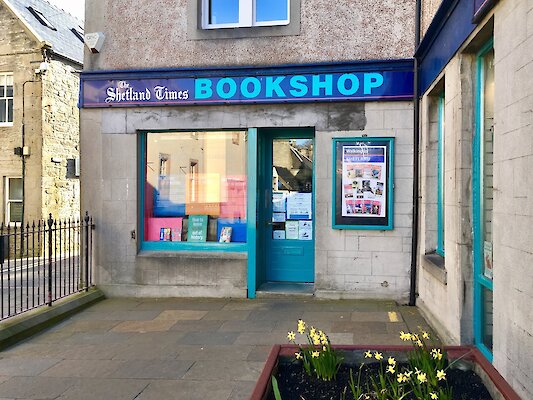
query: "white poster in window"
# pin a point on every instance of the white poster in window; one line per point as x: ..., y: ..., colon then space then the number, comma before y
x: 278, y: 235
x: 278, y: 217
x: 364, y: 177
x: 487, y: 259
x: 291, y: 230
x: 300, y: 205
x: 305, y: 230
x: 278, y: 202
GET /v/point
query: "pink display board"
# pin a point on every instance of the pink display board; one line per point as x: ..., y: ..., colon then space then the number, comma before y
x: 154, y: 225
x: 235, y: 189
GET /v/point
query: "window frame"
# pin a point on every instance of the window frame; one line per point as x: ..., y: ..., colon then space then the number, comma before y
x: 247, y: 16
x: 163, y: 246
x: 439, y: 248
x: 7, y: 98
x: 8, y: 201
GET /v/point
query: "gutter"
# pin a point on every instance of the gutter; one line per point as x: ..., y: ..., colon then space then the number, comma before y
x: 416, y: 164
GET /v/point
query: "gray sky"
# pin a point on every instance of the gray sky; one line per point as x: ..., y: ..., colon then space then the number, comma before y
x: 74, y: 7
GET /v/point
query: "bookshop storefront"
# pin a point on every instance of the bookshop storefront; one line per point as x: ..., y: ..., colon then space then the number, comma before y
x: 216, y: 182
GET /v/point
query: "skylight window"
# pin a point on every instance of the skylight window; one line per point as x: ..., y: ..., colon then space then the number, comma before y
x: 77, y: 33
x: 41, y: 18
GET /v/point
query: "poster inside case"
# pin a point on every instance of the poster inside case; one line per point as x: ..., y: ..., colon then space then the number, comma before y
x: 362, y: 192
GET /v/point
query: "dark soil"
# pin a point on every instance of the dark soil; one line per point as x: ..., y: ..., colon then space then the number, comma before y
x: 295, y: 384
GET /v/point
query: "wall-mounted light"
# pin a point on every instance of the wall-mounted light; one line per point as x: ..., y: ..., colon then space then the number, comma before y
x: 94, y: 41
x: 56, y: 160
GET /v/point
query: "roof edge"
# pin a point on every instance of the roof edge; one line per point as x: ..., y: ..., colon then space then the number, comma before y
x: 25, y: 23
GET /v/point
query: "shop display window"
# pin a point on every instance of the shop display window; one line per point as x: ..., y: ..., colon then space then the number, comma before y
x: 195, y: 187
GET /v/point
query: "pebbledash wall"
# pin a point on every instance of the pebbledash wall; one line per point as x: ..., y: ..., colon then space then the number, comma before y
x: 348, y: 263
x: 476, y: 286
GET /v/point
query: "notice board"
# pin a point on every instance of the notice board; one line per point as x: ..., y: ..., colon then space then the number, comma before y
x: 363, y: 183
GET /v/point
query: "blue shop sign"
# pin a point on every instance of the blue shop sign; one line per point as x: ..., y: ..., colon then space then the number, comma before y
x: 245, y: 86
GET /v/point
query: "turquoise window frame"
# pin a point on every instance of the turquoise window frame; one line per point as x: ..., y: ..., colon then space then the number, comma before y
x: 390, y: 184
x: 440, y: 177
x: 480, y: 281
x: 249, y: 246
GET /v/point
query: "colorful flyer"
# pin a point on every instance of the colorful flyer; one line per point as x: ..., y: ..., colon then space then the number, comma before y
x: 291, y: 230
x: 364, y: 173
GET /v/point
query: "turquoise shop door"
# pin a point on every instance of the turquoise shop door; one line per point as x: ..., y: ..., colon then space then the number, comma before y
x: 286, y: 204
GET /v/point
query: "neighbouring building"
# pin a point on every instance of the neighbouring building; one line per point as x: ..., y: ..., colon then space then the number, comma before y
x: 229, y: 150
x: 475, y: 248
x: 41, y: 51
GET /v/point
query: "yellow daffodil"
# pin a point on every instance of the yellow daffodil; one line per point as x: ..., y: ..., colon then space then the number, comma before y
x: 400, y: 377
x: 425, y: 335
x: 403, y: 335
x: 315, y: 354
x: 291, y: 335
x: 441, y: 375
x: 378, y: 356
x: 312, y: 332
x: 419, y: 343
x: 298, y: 356
x: 422, y: 377
x: 433, y: 396
x: 368, y: 354
x: 392, y: 361
x: 408, y: 374
x: 436, y: 354
x: 316, y: 340
x: 390, y: 369
x: 324, y: 348
x: 417, y: 371
x: 415, y: 337
x: 301, y: 326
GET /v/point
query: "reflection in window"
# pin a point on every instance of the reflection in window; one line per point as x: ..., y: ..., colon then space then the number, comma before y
x: 13, y: 200
x: 197, y: 190
x: 6, y: 98
x: 245, y: 13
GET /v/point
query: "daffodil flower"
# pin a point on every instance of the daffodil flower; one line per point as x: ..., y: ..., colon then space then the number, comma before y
x: 441, y: 375
x: 301, y: 326
x: 298, y: 356
x: 408, y: 374
x: 425, y: 335
x: 368, y: 354
x: 312, y: 332
x: 400, y: 377
x: 291, y: 335
x: 315, y: 354
x: 422, y: 377
x: 378, y: 356
x: 390, y: 369
x: 433, y: 396
x: 419, y: 343
x: 392, y: 361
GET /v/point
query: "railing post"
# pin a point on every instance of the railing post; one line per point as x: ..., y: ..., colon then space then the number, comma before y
x: 86, y: 219
x: 50, y: 251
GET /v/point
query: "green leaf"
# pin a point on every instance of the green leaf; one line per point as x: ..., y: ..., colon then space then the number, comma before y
x: 275, y: 388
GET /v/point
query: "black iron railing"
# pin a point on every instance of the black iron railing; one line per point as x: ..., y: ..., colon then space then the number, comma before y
x: 43, y: 262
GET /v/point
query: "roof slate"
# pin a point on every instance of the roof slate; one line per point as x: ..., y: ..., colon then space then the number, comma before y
x: 64, y: 42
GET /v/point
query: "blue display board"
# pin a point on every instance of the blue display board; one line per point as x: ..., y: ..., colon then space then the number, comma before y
x: 390, y: 80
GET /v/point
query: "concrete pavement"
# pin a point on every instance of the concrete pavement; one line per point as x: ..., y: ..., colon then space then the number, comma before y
x: 183, y: 349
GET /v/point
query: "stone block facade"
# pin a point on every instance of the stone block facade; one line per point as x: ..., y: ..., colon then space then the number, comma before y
x: 446, y: 291
x: 51, y: 124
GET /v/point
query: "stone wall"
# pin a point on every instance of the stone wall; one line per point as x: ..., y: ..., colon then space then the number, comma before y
x: 61, y: 189
x: 347, y: 263
x: 20, y: 54
x: 161, y: 34
x: 448, y: 302
x: 513, y: 194
x: 429, y: 8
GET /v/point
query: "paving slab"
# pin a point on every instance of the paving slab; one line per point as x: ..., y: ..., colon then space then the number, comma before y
x: 159, y: 349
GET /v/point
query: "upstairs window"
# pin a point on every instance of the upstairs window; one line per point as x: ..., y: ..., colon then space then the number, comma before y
x: 6, y: 99
x: 244, y: 13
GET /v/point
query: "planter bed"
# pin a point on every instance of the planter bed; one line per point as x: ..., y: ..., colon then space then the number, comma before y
x: 472, y: 377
